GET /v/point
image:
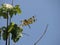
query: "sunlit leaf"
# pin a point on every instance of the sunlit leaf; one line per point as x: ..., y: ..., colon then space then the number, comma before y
x: 18, y: 9
x: 10, y: 27
x: 8, y: 8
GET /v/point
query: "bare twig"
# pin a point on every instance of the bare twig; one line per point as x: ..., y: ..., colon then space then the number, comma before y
x: 41, y: 35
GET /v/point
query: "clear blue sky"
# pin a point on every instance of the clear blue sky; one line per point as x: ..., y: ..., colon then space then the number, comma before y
x: 47, y: 12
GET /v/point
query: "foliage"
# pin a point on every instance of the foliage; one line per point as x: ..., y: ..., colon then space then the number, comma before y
x: 13, y: 29
x: 12, y: 10
x: 16, y: 33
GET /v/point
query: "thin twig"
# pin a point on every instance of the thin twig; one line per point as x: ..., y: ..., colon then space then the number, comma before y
x: 9, y: 34
x: 41, y: 35
x: 7, y: 29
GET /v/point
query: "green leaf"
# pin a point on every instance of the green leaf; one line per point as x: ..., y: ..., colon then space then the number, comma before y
x: 4, y: 28
x: 13, y: 11
x: 16, y: 33
x: 4, y: 35
x: 10, y: 27
x: 18, y: 9
x: 3, y: 12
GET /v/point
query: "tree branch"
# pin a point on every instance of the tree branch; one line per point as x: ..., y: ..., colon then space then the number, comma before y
x: 41, y: 35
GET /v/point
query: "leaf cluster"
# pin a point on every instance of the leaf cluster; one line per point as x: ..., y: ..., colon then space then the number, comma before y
x: 14, y: 30
x: 11, y: 11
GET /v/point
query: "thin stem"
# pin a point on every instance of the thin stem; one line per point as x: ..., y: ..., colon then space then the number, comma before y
x: 7, y: 29
x: 41, y: 35
x: 12, y: 2
x: 9, y: 40
x: 9, y: 34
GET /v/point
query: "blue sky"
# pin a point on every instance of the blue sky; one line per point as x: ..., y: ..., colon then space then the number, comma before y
x: 46, y: 12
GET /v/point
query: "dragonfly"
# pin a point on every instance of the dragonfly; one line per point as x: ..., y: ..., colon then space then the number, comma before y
x: 27, y: 22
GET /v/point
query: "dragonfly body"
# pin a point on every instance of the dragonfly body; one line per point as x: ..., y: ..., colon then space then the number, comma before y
x: 27, y: 22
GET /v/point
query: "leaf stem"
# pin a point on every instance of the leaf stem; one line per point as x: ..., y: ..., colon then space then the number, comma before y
x: 7, y: 28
